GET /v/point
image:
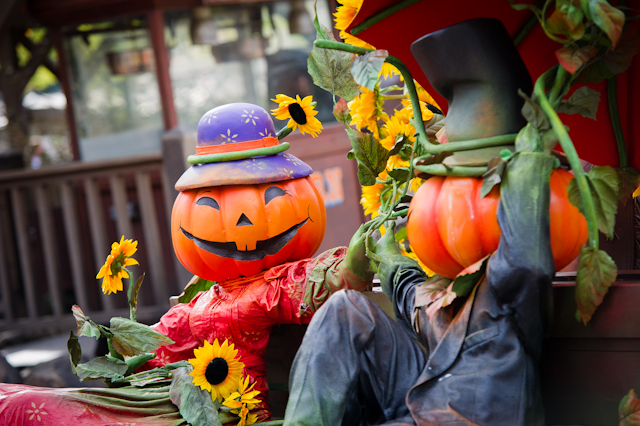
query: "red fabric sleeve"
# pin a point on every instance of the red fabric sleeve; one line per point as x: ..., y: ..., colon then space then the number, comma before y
x: 175, y: 325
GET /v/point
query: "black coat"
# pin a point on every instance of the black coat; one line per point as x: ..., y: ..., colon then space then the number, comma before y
x: 484, y: 350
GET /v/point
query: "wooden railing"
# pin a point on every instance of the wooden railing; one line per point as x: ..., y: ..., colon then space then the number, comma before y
x: 56, y: 228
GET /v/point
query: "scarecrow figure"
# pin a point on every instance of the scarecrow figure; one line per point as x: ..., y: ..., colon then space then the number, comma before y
x: 250, y: 225
x: 248, y: 217
x: 476, y: 362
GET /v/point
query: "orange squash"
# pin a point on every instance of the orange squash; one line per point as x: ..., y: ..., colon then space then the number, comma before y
x: 224, y: 232
x: 450, y: 227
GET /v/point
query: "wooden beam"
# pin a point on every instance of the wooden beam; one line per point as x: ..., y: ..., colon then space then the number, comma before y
x: 72, y: 232
x: 26, y: 265
x: 98, y: 234
x: 155, y: 20
x: 8, y: 8
x: 30, y: 46
x: 151, y: 229
x: 74, y: 12
x: 48, y: 240
x: 63, y: 77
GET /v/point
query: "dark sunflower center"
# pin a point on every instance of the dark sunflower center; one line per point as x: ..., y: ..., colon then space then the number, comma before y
x: 217, y: 371
x: 297, y: 113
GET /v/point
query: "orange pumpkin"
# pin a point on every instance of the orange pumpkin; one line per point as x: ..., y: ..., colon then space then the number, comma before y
x: 450, y: 227
x: 224, y: 232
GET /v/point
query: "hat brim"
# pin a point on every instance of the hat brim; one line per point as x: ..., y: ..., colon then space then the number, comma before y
x: 270, y: 168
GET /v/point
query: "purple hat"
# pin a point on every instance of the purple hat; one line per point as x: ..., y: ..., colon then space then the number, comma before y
x: 237, y: 144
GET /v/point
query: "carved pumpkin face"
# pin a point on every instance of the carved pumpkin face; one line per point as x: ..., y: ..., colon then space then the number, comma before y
x: 224, y: 232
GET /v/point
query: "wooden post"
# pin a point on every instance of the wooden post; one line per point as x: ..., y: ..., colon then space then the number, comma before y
x: 64, y: 82
x: 155, y: 20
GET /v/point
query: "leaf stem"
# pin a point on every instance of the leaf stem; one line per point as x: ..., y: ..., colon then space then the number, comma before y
x: 557, y: 92
x: 390, y: 97
x: 130, y: 287
x: 472, y: 144
x: 372, y: 20
x: 570, y: 151
x: 444, y: 170
x: 399, y: 213
x: 614, y: 113
x: 283, y: 132
x: 525, y: 29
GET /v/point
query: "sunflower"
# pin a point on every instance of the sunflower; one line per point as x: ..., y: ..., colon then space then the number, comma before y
x: 246, y: 418
x: 244, y: 396
x: 427, y: 104
x: 366, y: 110
x: 371, y: 196
x: 243, y: 401
x: 114, y: 268
x: 300, y: 112
x: 216, y: 369
x: 394, y: 127
x: 345, y: 13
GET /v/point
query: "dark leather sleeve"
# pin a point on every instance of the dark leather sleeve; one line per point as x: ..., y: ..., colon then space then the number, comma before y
x: 398, y: 277
x: 521, y: 271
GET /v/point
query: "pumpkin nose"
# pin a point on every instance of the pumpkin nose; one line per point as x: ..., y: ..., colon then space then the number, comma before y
x: 244, y: 221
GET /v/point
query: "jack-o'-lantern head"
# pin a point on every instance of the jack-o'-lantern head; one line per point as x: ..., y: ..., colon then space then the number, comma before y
x: 240, y: 211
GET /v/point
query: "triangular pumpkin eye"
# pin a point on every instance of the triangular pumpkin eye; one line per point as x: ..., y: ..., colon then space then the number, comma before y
x: 208, y: 201
x: 273, y: 192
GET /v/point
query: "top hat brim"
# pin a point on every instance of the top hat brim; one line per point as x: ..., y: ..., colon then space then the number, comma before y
x: 249, y: 171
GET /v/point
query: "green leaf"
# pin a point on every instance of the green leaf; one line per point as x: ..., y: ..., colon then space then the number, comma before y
x: 493, y: 175
x: 533, y: 112
x: 341, y: 112
x: 369, y: 153
x: 614, y: 61
x: 401, y: 234
x: 507, y: 154
x: 596, y: 272
x: 518, y: 6
x: 629, y: 180
x: 86, y: 327
x: 132, y: 338
x: 433, y: 126
x: 584, y: 4
x: 135, y: 362
x: 102, y: 368
x: 619, y: 60
x: 594, y: 73
x: 629, y: 410
x: 528, y: 140
x: 584, y: 101
x: 607, y: 18
x: 550, y: 139
x: 366, y: 68
x: 196, y: 405
x: 75, y: 351
x: 463, y: 284
x: 571, y: 60
x: 331, y: 69
x: 430, y: 290
x: 398, y: 144
x: 603, y: 185
x: 133, y: 292
x: 401, y: 174
x: 566, y: 19
x: 195, y: 286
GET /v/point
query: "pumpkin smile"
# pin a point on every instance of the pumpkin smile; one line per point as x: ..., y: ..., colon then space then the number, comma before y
x: 264, y: 248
